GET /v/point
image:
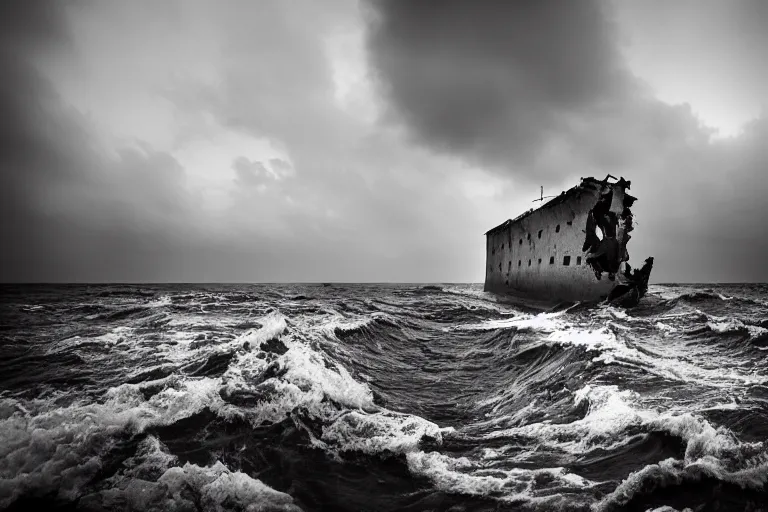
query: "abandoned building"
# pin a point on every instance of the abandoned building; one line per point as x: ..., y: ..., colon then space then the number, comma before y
x: 572, y: 248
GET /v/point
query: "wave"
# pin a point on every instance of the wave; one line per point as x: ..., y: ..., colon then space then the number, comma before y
x: 703, y: 298
x: 703, y: 483
x: 609, y: 431
x: 45, y: 447
x: 216, y: 398
x: 186, y: 487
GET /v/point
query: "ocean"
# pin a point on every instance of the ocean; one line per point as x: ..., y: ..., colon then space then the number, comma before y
x: 380, y: 398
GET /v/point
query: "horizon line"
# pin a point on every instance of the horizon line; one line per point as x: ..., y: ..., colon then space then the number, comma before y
x: 123, y: 283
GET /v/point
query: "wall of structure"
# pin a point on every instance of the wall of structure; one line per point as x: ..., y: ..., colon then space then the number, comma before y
x: 541, y: 254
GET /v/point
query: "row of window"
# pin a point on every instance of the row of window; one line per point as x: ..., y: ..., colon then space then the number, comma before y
x: 566, y: 262
x: 528, y: 236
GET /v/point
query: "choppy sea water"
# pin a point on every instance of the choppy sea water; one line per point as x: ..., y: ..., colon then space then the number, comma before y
x: 380, y: 398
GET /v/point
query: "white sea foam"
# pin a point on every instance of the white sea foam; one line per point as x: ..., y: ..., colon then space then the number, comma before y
x: 671, y: 471
x: 464, y: 476
x: 379, y: 432
x: 328, y: 325
x: 543, y: 322
x: 611, y: 412
x: 163, y: 300
x: 191, y: 487
x: 303, y: 377
x: 272, y: 326
x: 59, y: 450
x: 668, y: 360
x: 665, y: 328
x: 724, y: 325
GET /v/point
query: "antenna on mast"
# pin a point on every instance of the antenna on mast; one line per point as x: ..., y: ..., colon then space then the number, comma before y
x: 543, y: 197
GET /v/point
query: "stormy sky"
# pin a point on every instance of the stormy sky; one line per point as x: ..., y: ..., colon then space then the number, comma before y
x: 373, y: 140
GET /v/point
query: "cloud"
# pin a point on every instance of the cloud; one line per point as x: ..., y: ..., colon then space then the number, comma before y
x: 250, y: 173
x: 706, y: 52
x: 497, y: 82
x: 251, y: 144
x: 69, y: 209
x: 243, y: 166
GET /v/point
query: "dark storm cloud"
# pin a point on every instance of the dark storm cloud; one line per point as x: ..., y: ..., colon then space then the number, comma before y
x: 73, y: 211
x: 67, y: 211
x: 495, y: 81
x: 27, y: 152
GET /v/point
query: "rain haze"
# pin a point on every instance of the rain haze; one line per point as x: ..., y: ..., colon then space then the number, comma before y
x: 190, y: 141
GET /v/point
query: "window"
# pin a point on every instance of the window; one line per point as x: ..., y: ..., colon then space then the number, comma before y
x: 578, y: 260
x: 539, y: 261
x: 521, y: 241
x: 551, y: 260
x: 493, y: 251
x: 570, y: 223
x: 529, y: 263
x: 529, y: 236
x: 540, y: 232
x: 557, y: 228
x: 509, y: 266
x: 519, y: 262
x: 502, y: 247
x: 566, y: 260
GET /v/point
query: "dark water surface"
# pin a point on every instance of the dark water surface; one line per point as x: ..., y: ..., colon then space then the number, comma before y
x: 380, y: 398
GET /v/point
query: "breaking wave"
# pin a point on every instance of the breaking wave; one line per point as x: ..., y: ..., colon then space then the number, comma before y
x: 380, y: 398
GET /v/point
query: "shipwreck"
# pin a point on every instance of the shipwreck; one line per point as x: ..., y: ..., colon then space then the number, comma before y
x: 572, y: 248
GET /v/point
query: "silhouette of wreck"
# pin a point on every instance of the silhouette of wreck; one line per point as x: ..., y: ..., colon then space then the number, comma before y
x: 573, y: 248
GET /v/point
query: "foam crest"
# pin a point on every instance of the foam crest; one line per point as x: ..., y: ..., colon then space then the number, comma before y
x: 307, y: 368
x: 163, y: 300
x: 272, y: 326
x: 151, y: 459
x: 670, y: 472
x: 723, y: 325
x: 191, y: 487
x: 380, y: 432
x: 544, y: 322
x: 59, y: 450
x: 297, y: 377
x: 220, y: 489
x: 667, y: 361
x: 462, y: 476
x: 611, y: 412
x: 592, y: 339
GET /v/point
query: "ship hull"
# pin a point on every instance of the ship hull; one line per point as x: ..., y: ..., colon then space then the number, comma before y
x: 573, y: 249
x: 624, y: 293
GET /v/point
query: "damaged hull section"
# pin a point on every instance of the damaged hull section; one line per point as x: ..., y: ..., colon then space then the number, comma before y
x: 573, y: 248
